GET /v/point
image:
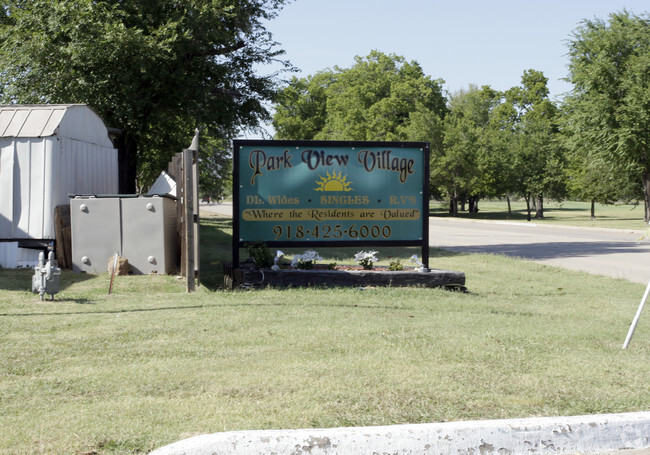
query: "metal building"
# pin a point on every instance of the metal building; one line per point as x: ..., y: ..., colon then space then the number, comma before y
x: 47, y: 152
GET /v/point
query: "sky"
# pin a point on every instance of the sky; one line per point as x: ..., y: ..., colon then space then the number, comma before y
x: 462, y: 42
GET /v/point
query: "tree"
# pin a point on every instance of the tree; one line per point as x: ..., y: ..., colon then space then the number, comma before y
x: 596, y: 180
x: 215, y: 168
x: 591, y: 177
x: 301, y: 107
x: 465, y: 167
x: 154, y: 69
x: 609, y: 115
x: 528, y: 120
x: 380, y: 98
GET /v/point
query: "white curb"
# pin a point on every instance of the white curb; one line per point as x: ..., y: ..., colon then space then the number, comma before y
x: 544, y: 435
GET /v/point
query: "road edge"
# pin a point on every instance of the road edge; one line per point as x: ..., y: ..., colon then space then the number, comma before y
x: 539, y: 435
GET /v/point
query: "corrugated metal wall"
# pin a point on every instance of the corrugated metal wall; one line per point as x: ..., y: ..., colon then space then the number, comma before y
x: 12, y: 257
x: 83, y: 168
x: 6, y: 187
x: 21, y: 187
x: 30, y: 170
x: 40, y: 173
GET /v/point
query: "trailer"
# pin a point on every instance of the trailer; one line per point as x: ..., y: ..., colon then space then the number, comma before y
x: 47, y: 152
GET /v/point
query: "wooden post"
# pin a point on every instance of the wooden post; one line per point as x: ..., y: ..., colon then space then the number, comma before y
x: 62, y: 228
x: 184, y: 170
x: 110, y: 286
x: 188, y: 219
x: 175, y: 170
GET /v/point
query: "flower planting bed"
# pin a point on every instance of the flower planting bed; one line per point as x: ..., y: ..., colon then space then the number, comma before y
x: 346, y: 276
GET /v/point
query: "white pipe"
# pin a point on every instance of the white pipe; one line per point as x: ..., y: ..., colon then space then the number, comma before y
x: 636, y: 317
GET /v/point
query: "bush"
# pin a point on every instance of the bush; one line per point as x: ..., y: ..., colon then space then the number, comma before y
x: 260, y: 254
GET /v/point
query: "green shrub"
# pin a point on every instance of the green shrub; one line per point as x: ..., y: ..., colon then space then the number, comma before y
x: 260, y: 254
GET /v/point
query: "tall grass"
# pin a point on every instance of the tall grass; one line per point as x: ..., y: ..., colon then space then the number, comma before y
x: 150, y: 364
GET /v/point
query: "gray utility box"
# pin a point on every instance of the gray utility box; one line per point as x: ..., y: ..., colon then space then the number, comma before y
x: 141, y: 229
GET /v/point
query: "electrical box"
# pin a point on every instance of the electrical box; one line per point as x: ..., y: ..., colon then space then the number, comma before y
x: 141, y: 229
x: 149, y: 234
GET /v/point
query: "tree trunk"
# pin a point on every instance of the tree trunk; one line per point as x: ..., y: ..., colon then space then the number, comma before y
x: 539, y: 211
x: 473, y: 204
x: 127, y: 163
x: 645, y: 176
x: 453, y: 204
x: 527, y: 197
x: 593, y: 208
x: 509, y: 207
x: 462, y: 204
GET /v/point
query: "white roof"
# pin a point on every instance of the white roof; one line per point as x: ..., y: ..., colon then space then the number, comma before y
x: 76, y: 121
x: 164, y: 184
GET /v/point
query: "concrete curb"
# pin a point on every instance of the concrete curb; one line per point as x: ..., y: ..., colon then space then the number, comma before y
x: 544, y: 435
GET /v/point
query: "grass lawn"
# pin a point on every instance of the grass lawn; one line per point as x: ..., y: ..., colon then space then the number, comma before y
x: 148, y: 365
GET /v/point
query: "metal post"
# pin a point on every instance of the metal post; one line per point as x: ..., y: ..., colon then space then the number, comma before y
x: 636, y: 317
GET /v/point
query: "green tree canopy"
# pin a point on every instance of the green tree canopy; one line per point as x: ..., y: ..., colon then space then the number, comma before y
x: 466, y: 166
x: 592, y: 176
x: 154, y: 69
x: 380, y: 98
x: 215, y: 168
x: 301, y: 109
x: 608, y: 111
x: 528, y: 125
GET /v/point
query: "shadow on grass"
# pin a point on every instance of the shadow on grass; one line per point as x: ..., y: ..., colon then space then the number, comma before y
x: 215, y: 236
x: 441, y: 253
x: 516, y: 215
x: 131, y: 310
x: 298, y: 303
x: 554, y: 250
x: 21, y: 279
x: 562, y: 213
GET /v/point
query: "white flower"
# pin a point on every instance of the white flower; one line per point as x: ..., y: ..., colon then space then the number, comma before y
x: 421, y: 267
x: 311, y: 256
x: 415, y: 259
x: 278, y: 256
x: 366, y: 256
x: 306, y: 260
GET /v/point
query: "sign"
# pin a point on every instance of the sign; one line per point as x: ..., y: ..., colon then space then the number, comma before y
x: 296, y: 193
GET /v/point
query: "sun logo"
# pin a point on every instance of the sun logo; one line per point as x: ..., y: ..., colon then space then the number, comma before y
x: 333, y: 182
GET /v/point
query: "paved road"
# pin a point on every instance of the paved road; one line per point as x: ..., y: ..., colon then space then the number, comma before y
x: 224, y: 209
x: 611, y: 252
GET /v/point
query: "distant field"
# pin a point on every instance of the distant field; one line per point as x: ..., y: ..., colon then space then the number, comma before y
x: 619, y: 216
x: 150, y: 364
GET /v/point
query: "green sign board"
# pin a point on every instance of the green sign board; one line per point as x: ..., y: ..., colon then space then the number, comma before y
x: 323, y: 193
